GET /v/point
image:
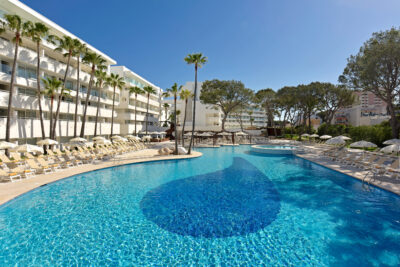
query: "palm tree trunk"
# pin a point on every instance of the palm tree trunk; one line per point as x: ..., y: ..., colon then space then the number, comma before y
x: 60, y: 96
x: 112, y: 114
x: 87, y: 102
x: 51, y: 112
x: 194, y: 109
x: 10, y: 96
x: 135, y: 113
x: 78, y: 84
x: 38, y: 90
x: 97, y: 112
x: 183, y: 126
x: 147, y: 111
x: 176, y: 129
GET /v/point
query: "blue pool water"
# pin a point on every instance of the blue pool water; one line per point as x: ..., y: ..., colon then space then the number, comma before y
x: 229, y: 207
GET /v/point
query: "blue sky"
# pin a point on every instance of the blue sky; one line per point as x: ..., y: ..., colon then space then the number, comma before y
x: 263, y: 43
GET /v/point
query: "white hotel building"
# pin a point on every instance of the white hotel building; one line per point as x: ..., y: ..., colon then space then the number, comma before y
x: 209, y: 117
x: 25, y: 123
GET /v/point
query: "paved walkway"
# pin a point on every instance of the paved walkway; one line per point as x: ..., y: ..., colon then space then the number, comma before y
x: 9, y: 191
x: 384, y: 182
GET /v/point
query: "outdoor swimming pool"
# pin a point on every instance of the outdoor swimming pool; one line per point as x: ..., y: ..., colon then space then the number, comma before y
x: 229, y: 207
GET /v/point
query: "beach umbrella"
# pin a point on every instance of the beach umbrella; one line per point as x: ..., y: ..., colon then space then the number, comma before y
x: 305, y: 135
x: 325, y: 137
x: 224, y: 133
x: 363, y: 144
x: 129, y: 136
x: 47, y: 142
x: 116, y: 137
x: 7, y: 145
x: 78, y: 139
x: 336, y: 141
x: 345, y: 138
x: 28, y: 148
x: 188, y: 134
x: 314, y: 135
x: 392, y: 142
x: 391, y: 148
x: 98, y: 138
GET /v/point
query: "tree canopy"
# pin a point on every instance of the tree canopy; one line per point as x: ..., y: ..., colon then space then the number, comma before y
x: 227, y: 95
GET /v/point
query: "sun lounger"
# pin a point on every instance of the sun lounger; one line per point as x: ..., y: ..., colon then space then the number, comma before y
x: 9, y: 175
x: 38, y: 168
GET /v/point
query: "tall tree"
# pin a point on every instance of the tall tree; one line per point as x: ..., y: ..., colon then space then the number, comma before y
x: 136, y: 91
x: 14, y: 24
x: 308, y: 97
x: 115, y: 81
x: 101, y: 77
x: 198, y: 60
x: 185, y: 95
x: 227, y: 95
x: 376, y: 68
x: 148, y: 90
x: 67, y: 44
x: 80, y: 50
x: 266, y: 98
x: 52, y: 86
x: 333, y: 97
x: 174, y: 91
x: 287, y: 103
x: 38, y: 31
x: 94, y: 60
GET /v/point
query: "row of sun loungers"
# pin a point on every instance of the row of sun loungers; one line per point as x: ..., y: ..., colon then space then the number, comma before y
x: 15, y: 167
x: 374, y: 163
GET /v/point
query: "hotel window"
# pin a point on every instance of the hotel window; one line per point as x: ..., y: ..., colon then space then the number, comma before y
x: 94, y: 92
x: 27, y: 91
x: 3, y: 87
x: 26, y: 114
x: 69, y: 85
x: 66, y: 117
x: 83, y: 89
x: 5, y: 67
x: 26, y: 72
x: 68, y: 99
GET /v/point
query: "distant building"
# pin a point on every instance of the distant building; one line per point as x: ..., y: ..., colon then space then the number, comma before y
x: 209, y: 117
x: 368, y: 109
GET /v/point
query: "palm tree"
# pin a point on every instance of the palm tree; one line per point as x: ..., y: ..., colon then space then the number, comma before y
x: 174, y: 90
x: 184, y: 95
x: 51, y: 85
x: 148, y: 90
x: 67, y: 44
x: 198, y: 60
x: 115, y: 81
x: 101, y: 77
x: 250, y: 112
x: 135, y: 90
x: 166, y: 107
x: 95, y: 61
x: 14, y: 24
x: 80, y: 49
x: 37, y: 32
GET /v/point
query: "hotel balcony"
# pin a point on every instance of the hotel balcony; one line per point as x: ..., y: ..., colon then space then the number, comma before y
x: 30, y: 128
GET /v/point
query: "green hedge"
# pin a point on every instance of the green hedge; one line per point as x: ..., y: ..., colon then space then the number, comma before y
x: 376, y: 134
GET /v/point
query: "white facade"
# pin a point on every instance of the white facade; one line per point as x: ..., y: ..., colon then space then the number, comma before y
x: 126, y: 109
x: 25, y: 123
x: 209, y: 117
